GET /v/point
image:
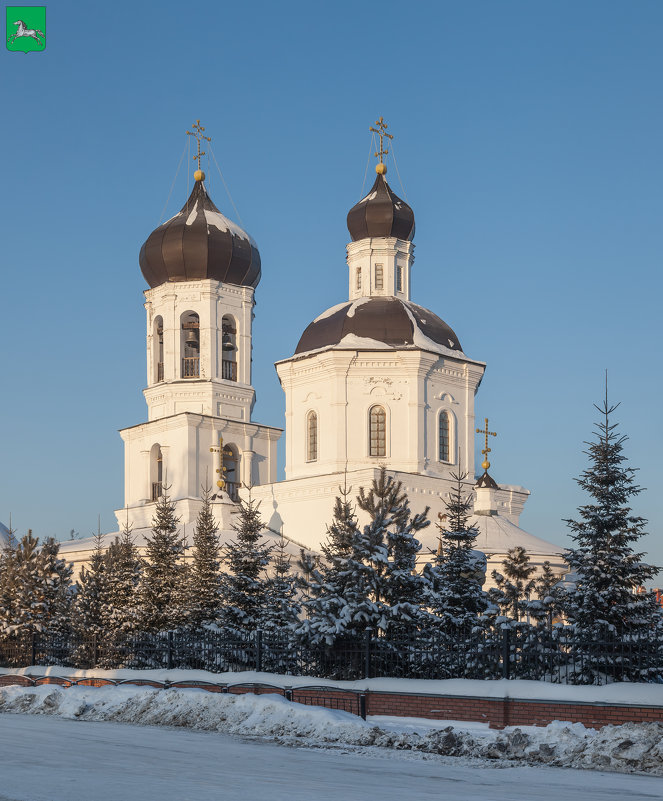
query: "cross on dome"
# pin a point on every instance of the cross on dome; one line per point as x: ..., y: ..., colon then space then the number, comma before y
x: 197, y: 132
x: 486, y: 464
x: 381, y: 131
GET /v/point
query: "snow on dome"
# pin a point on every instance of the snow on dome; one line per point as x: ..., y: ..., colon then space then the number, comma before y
x: 198, y: 243
x: 381, y: 213
x: 379, y: 322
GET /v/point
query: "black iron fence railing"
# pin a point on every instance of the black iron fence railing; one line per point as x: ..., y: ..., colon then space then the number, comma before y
x: 528, y: 653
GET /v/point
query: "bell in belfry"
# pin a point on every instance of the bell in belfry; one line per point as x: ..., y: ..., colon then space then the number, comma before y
x: 192, y: 339
x: 227, y: 342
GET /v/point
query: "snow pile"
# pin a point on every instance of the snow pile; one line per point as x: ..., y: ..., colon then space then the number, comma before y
x: 629, y: 748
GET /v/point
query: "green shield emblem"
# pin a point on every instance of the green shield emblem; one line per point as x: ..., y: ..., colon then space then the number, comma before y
x: 26, y: 28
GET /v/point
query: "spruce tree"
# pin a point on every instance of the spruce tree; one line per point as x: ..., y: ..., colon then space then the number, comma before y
x: 330, y: 593
x: 404, y: 588
x: 515, y: 585
x: 455, y: 593
x: 545, y: 606
x: 58, y: 592
x: 163, y: 585
x: 123, y: 571
x: 282, y: 607
x: 7, y: 583
x: 604, y: 602
x: 243, y: 587
x: 28, y: 609
x: 90, y: 606
x: 204, y: 579
x: 368, y: 579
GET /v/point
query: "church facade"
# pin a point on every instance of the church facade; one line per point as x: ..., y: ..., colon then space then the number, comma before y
x: 376, y: 380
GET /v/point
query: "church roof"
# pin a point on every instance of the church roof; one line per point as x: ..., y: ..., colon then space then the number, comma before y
x: 197, y: 243
x: 498, y: 534
x: 381, y: 213
x: 5, y: 536
x: 371, y: 323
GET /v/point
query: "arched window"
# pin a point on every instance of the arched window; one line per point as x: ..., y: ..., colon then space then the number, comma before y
x: 190, y: 345
x: 444, y: 435
x: 156, y: 472
x: 311, y: 437
x: 228, y: 348
x: 377, y: 432
x: 158, y: 349
x: 231, y: 471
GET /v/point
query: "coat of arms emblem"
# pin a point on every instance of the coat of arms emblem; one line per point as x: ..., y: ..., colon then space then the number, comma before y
x: 26, y: 26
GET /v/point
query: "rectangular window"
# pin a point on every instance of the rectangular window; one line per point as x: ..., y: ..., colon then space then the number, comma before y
x: 399, y: 279
x: 358, y: 277
x: 312, y: 437
x: 379, y: 279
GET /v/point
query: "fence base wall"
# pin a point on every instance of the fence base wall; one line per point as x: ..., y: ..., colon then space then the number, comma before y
x: 497, y: 712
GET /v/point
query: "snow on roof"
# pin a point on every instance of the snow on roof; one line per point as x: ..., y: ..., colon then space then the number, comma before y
x: 498, y: 534
x: 5, y: 535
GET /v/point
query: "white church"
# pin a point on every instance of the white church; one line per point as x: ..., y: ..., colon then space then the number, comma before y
x: 375, y: 380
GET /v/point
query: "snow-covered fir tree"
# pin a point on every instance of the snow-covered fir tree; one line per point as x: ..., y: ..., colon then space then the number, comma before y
x: 455, y: 593
x: 123, y: 571
x: 282, y: 607
x: 404, y: 588
x: 91, y: 601
x: 545, y: 606
x: 329, y: 594
x: 367, y: 579
x: 603, y: 603
x: 163, y: 584
x: 244, y: 585
x: 59, y: 592
x: 514, y: 585
x: 204, y: 579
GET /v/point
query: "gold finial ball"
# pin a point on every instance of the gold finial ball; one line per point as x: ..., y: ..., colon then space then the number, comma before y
x: 199, y: 175
x: 381, y: 168
x: 220, y: 484
x: 485, y: 464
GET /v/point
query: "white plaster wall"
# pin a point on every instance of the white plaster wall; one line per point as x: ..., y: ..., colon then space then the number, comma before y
x: 413, y: 386
x: 303, y: 507
x: 209, y: 394
x: 185, y: 440
x: 391, y: 253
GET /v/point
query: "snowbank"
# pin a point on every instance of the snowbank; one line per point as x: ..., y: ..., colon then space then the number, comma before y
x: 619, y: 693
x: 627, y: 748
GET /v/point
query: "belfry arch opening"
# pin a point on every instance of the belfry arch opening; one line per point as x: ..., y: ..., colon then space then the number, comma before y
x: 190, y: 345
x: 157, y: 349
x: 156, y: 472
x: 229, y: 348
x: 231, y: 461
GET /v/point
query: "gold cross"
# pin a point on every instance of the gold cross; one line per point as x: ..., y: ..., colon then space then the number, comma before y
x: 486, y: 464
x: 198, y: 133
x: 381, y: 131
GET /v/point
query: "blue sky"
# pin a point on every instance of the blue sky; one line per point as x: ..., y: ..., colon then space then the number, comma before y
x: 528, y: 139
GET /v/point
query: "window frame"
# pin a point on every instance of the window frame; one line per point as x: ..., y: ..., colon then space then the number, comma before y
x: 371, y: 439
x: 311, y: 415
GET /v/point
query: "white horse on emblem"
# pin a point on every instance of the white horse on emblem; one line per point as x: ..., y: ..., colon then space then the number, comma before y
x: 23, y: 30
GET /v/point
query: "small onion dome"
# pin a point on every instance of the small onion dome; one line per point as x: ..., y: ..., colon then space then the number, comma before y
x: 371, y: 323
x: 381, y: 213
x: 486, y: 481
x: 197, y: 243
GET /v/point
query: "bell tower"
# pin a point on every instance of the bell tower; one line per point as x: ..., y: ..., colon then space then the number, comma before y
x: 202, y: 270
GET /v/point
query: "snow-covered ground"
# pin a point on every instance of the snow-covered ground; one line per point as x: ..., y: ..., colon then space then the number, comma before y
x: 50, y: 759
x: 628, y: 748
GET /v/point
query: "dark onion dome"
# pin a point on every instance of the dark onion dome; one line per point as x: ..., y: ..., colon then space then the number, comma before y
x: 381, y: 213
x: 199, y: 242
x: 371, y: 323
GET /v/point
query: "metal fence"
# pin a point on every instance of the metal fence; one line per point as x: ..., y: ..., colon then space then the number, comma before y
x: 540, y: 653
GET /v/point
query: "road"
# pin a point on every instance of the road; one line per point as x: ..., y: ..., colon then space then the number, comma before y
x: 54, y: 759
